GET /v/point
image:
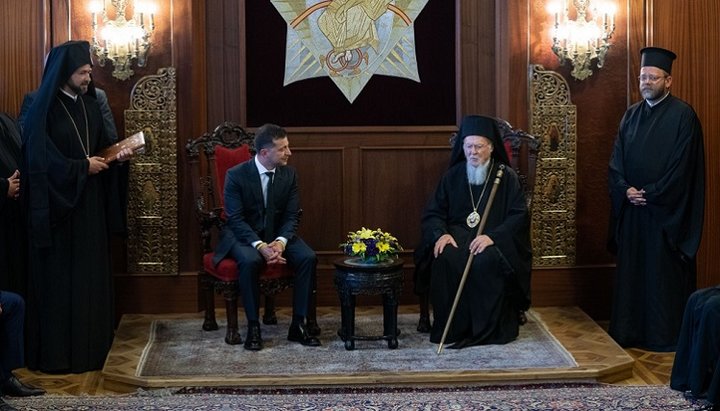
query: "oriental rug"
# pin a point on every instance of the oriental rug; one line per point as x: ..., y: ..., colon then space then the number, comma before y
x: 592, y: 397
x: 179, y: 348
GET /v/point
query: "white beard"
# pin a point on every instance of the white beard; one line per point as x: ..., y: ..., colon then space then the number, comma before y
x: 476, y: 175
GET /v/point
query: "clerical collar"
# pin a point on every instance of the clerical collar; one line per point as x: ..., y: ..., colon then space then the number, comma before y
x: 658, y: 101
x: 72, y: 96
x: 261, y: 168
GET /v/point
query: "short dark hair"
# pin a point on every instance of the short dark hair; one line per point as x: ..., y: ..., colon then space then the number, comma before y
x: 266, y: 135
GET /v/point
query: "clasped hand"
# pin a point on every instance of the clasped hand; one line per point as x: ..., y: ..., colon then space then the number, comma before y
x: 636, y: 197
x: 14, y: 185
x: 273, y: 253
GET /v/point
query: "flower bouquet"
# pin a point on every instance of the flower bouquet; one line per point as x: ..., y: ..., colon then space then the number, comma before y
x: 371, y: 246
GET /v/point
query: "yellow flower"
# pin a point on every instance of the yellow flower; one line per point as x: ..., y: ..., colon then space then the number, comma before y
x: 375, y: 245
x: 358, y: 247
x: 365, y: 233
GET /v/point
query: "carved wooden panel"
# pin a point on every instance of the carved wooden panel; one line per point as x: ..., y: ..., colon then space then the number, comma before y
x: 553, y: 119
x: 152, y: 246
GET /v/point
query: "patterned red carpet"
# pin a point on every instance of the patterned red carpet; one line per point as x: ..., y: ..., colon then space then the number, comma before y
x: 558, y: 397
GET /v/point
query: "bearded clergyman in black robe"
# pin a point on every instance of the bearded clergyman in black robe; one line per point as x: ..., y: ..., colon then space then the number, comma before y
x: 656, y: 182
x: 65, y: 186
x: 497, y: 288
x: 696, y: 368
x: 12, y: 231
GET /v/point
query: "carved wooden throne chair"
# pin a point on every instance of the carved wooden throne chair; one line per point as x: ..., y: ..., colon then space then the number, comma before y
x: 522, y: 150
x: 209, y: 157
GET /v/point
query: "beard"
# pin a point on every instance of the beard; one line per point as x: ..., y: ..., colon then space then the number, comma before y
x: 78, y: 89
x: 652, y: 94
x: 477, y: 175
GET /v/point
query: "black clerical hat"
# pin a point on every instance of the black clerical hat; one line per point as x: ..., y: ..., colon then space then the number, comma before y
x: 474, y: 125
x: 657, y: 57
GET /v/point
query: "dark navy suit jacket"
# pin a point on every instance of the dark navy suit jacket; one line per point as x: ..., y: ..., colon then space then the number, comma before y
x: 245, y: 209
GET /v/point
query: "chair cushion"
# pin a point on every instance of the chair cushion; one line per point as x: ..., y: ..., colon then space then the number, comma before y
x: 276, y: 271
x: 508, y: 149
x: 226, y: 270
x: 226, y: 158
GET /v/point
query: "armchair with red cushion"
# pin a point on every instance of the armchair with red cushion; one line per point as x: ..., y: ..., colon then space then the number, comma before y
x: 209, y: 157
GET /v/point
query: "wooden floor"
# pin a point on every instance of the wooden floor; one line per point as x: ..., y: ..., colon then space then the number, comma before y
x: 586, y: 340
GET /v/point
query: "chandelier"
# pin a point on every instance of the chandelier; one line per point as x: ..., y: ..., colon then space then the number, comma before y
x: 582, y: 40
x: 122, y: 40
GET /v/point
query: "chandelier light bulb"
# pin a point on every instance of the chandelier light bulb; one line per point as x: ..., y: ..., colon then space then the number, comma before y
x: 585, y: 39
x: 122, y: 40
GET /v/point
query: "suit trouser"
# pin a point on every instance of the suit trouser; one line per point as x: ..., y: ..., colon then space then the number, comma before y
x: 12, y: 351
x: 250, y: 264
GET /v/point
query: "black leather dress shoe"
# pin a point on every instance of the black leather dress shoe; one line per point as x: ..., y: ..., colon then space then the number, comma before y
x: 5, y: 406
x: 15, y: 388
x: 253, y: 342
x: 299, y: 333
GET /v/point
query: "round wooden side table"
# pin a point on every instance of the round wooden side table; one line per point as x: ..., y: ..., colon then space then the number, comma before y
x: 354, y: 278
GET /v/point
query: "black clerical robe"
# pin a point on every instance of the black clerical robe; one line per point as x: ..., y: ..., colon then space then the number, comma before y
x: 70, y: 304
x: 12, y: 230
x: 697, y: 360
x: 498, y: 284
x: 659, y: 150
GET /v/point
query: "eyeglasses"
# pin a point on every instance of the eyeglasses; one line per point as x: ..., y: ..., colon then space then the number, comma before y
x: 650, y: 78
x: 478, y: 147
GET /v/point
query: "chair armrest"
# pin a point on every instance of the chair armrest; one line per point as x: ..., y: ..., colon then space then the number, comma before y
x: 209, y: 221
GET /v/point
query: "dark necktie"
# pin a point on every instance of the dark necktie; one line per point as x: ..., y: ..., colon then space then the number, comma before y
x: 269, y: 208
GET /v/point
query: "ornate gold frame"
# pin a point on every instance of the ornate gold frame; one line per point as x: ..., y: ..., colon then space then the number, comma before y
x: 553, y: 119
x: 152, y: 246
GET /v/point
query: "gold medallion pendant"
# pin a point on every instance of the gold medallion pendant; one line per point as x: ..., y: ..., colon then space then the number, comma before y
x: 473, y: 219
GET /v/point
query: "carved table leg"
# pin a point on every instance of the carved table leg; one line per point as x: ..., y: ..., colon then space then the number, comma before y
x: 390, y: 306
x: 347, y: 320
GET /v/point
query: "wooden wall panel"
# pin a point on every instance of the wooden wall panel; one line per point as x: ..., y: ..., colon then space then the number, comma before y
x: 60, y: 22
x: 225, y: 55
x: 587, y: 287
x: 320, y: 177
x: 511, y: 62
x: 21, y: 51
x: 156, y: 294
x: 690, y: 29
x: 396, y: 183
x: 476, y: 55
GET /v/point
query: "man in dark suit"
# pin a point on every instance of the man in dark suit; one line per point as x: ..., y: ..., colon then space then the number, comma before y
x: 261, y: 206
x: 12, y: 316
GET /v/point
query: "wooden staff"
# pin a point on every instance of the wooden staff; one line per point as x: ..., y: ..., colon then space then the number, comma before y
x: 498, y: 176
